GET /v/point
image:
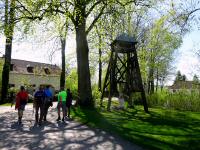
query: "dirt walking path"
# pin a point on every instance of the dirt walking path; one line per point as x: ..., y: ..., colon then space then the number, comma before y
x: 53, y: 135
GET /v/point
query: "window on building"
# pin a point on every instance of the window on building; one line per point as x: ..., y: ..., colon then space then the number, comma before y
x: 47, y: 70
x: 30, y: 69
x: 11, y: 85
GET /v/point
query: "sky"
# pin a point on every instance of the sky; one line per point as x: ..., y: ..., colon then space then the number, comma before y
x: 187, y: 61
x: 35, y: 50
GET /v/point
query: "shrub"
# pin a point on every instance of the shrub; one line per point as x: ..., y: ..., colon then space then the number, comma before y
x: 182, y: 100
x: 72, y: 83
x: 96, y: 94
x: 136, y: 98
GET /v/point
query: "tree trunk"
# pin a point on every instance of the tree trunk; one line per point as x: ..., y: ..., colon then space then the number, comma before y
x: 62, y: 76
x: 100, y: 64
x: 152, y: 87
x: 6, y: 69
x: 84, y: 83
x: 151, y: 81
x: 157, y: 79
x: 8, y: 32
x: 162, y: 83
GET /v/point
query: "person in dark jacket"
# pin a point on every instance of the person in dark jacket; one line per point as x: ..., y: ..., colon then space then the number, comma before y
x: 38, y: 103
x: 69, y: 102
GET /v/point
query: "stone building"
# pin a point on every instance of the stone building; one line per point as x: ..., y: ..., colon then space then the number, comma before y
x: 33, y: 74
x: 185, y: 85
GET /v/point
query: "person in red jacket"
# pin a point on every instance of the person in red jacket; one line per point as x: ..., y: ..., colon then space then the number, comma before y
x: 21, y: 101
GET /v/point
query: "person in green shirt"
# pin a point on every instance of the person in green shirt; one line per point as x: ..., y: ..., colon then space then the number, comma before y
x: 62, y: 97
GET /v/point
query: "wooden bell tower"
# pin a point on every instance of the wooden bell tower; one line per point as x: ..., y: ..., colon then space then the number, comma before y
x: 123, y: 69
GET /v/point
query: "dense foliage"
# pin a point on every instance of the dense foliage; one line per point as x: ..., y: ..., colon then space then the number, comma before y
x: 182, y: 100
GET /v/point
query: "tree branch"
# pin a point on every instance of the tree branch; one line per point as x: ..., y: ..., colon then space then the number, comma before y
x: 93, y: 6
x: 95, y: 20
x: 25, y: 9
x: 127, y: 3
x: 44, y: 11
x: 136, y: 3
x: 190, y: 13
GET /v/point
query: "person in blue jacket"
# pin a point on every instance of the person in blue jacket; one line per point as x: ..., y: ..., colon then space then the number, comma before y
x: 48, y: 101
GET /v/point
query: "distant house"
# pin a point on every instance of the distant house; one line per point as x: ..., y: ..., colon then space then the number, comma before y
x: 184, y: 85
x: 33, y: 74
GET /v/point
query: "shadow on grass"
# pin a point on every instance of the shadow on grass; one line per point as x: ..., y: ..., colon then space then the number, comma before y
x: 161, y: 129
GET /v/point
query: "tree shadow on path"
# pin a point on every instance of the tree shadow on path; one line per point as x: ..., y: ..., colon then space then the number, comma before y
x: 54, y: 135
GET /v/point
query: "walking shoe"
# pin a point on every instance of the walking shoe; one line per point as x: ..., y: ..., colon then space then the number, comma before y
x: 63, y: 119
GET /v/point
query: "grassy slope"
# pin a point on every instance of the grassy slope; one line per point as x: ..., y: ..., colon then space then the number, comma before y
x: 161, y: 129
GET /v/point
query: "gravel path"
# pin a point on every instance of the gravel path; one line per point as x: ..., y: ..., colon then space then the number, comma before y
x: 53, y: 135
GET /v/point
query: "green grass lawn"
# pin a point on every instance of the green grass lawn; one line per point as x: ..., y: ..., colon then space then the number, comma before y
x: 160, y: 129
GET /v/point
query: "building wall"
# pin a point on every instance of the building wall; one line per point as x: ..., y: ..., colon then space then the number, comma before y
x: 184, y: 90
x: 19, y: 79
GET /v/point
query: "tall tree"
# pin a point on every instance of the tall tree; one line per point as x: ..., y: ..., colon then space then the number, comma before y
x: 180, y: 77
x: 12, y: 15
x: 160, y: 44
x: 62, y: 27
x: 100, y: 58
x: 195, y: 79
x: 184, y: 78
x: 9, y: 24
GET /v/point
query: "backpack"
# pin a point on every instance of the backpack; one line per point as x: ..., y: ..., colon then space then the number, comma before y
x: 39, y: 95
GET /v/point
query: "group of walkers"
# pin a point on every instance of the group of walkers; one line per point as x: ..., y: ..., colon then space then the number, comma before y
x: 43, y: 99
